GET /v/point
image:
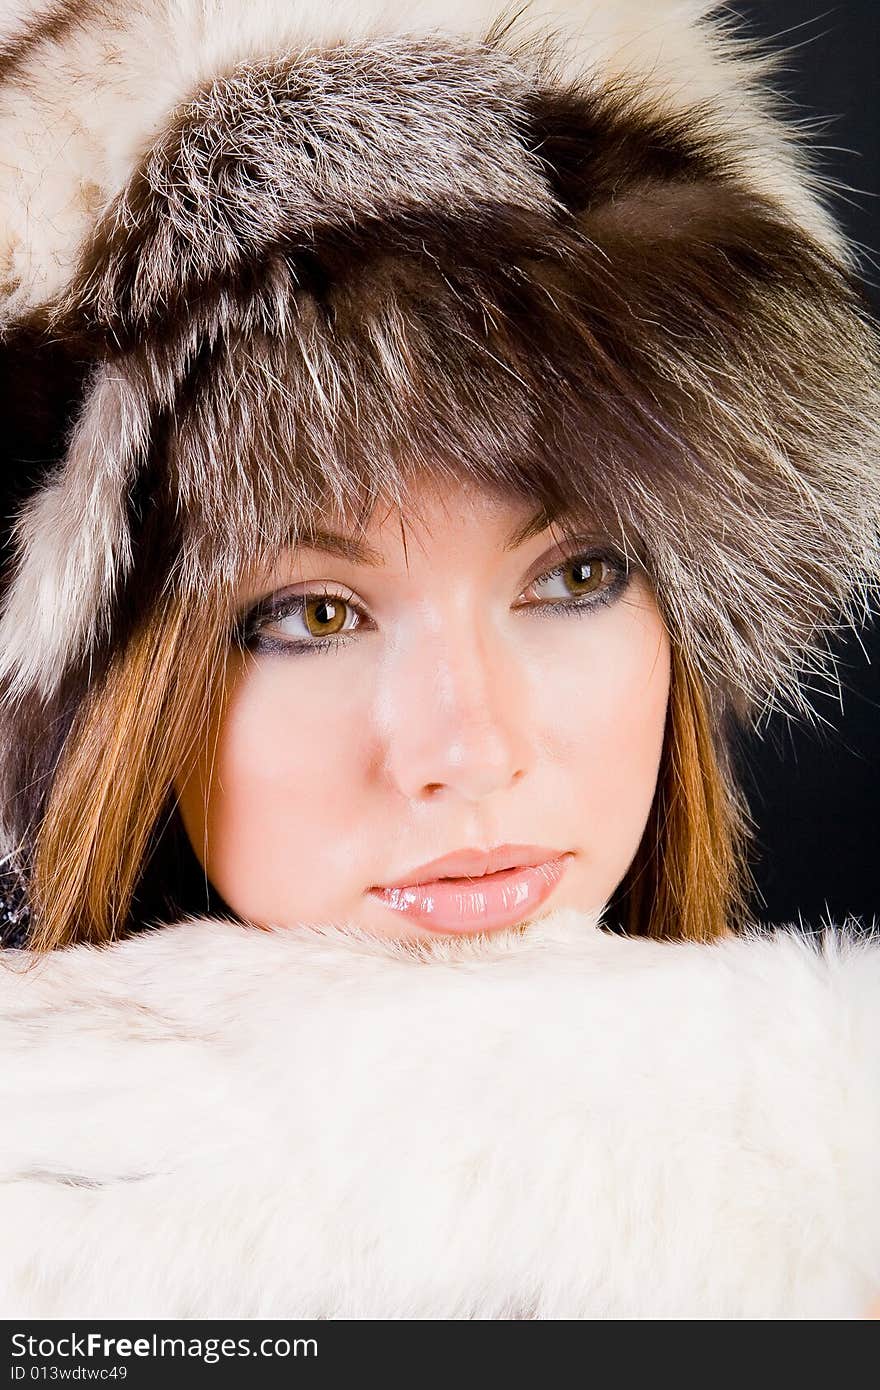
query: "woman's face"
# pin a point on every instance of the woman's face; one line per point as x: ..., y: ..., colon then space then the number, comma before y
x: 452, y: 687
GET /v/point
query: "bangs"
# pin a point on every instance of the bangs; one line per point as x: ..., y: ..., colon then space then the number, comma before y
x: 372, y: 365
x: 641, y: 367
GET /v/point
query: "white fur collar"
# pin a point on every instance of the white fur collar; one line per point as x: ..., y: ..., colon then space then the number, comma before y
x: 214, y: 1121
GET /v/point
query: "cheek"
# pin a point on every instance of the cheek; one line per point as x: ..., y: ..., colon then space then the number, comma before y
x: 284, y: 801
x: 264, y: 811
x: 606, y: 721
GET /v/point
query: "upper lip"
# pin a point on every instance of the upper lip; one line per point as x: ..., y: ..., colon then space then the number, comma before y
x: 475, y: 863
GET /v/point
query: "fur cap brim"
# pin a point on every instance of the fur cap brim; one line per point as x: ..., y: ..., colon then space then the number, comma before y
x: 593, y: 268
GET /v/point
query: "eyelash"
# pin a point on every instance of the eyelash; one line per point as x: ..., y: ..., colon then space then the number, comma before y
x: 248, y: 631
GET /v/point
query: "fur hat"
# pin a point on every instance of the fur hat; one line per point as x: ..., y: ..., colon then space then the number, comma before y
x: 257, y: 256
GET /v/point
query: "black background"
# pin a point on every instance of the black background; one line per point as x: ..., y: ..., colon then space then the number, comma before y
x: 814, y: 793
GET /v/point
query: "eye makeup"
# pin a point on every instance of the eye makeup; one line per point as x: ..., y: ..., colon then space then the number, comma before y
x: 250, y: 629
x: 250, y: 633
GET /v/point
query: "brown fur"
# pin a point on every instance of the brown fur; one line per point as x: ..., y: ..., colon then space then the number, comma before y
x: 638, y: 337
x: 50, y: 27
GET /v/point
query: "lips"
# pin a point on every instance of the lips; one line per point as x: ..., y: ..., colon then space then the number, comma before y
x: 476, y: 863
x: 477, y: 890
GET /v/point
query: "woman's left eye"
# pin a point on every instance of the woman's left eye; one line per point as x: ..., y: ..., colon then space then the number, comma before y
x: 580, y: 582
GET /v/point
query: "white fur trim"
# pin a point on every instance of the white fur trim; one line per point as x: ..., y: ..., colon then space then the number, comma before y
x: 211, y: 1121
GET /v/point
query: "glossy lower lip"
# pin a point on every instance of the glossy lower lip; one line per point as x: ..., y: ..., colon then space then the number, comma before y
x: 476, y: 904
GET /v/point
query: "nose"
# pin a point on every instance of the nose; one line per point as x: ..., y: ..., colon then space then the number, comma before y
x: 457, y: 719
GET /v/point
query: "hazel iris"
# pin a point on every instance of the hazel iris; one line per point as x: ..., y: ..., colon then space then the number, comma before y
x: 325, y: 616
x: 586, y: 575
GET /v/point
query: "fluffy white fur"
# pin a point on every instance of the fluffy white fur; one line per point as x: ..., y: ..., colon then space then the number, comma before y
x: 215, y: 1121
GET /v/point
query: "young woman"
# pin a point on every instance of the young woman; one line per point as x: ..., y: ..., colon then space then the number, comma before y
x: 432, y: 439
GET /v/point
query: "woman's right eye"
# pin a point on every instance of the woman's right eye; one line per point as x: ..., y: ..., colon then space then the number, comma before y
x: 301, y: 622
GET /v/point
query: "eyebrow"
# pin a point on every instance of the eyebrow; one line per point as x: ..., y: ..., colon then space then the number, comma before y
x: 332, y: 543
x: 348, y: 548
x: 538, y: 523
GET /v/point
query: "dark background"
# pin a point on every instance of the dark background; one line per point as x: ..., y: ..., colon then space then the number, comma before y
x: 815, y: 794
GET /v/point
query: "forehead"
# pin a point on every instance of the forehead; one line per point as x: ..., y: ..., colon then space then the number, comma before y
x: 434, y: 506
x: 443, y: 519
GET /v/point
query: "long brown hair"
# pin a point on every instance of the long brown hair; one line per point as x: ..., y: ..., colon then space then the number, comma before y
x: 131, y: 735
x: 137, y: 727
x: 690, y: 878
